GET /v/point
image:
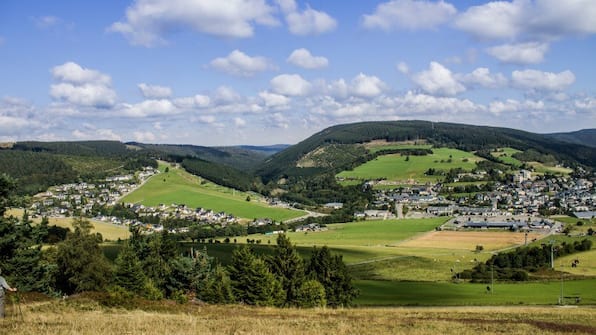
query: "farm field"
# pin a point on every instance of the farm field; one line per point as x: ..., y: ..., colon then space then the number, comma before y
x: 468, y: 240
x: 179, y: 187
x: 506, y: 156
x: 586, y: 266
x: 108, y: 231
x: 395, y: 167
x: 84, y: 316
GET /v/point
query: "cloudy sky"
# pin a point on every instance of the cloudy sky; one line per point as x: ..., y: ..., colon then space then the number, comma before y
x: 226, y: 72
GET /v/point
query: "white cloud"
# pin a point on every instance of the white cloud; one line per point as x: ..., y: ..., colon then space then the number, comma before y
x: 44, y: 22
x: 148, y: 20
x: 520, y: 53
x: 304, y: 59
x: 238, y: 63
x: 274, y: 100
x: 208, y: 119
x: 226, y: 95
x: 75, y: 74
x: 542, y: 81
x: 81, y: 86
x: 483, y: 78
x: 290, y: 84
x: 239, y: 122
x: 144, y: 136
x: 367, y: 86
x: 403, y: 67
x: 148, y: 108
x: 409, y: 14
x: 544, y: 19
x: 307, y: 22
x: 438, y: 80
x: 512, y: 106
x: 84, y: 95
x: 155, y: 91
x: 96, y: 134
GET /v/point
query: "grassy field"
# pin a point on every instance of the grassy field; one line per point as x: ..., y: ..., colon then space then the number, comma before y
x: 543, y: 168
x: 83, y: 316
x: 395, y: 167
x: 468, y: 240
x: 179, y: 187
x: 108, y: 231
x: 377, y: 292
x: 586, y: 266
x: 506, y: 156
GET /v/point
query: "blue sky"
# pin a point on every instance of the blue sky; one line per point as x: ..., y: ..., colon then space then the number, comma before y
x: 213, y: 72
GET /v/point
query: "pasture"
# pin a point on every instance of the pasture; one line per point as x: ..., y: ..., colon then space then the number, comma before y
x: 108, y: 231
x: 82, y: 315
x: 506, y: 156
x: 395, y: 167
x: 180, y: 187
x: 468, y: 240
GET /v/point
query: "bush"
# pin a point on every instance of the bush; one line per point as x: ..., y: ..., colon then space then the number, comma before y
x: 311, y: 294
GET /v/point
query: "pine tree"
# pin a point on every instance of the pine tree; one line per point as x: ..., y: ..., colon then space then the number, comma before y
x: 129, y: 273
x: 252, y: 282
x: 218, y: 288
x: 332, y: 273
x: 288, y: 266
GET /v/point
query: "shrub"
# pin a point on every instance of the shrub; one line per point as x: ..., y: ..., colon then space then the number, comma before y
x: 311, y: 294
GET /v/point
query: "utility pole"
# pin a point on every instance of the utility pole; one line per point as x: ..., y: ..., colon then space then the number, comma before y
x: 552, y: 257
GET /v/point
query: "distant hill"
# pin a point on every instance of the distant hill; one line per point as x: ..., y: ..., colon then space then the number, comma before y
x: 460, y: 136
x: 244, y: 158
x: 584, y: 137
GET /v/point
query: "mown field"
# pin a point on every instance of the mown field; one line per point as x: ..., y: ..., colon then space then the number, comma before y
x: 179, y: 187
x: 79, y: 315
x: 395, y: 167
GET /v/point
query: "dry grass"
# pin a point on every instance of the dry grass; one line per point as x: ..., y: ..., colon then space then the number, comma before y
x: 69, y: 318
x: 108, y: 231
x: 468, y: 240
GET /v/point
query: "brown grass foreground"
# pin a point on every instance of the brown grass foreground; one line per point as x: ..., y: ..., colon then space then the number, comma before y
x: 83, y: 316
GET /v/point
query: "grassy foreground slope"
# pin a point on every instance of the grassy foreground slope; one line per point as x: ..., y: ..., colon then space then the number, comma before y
x: 81, y: 316
x: 179, y: 187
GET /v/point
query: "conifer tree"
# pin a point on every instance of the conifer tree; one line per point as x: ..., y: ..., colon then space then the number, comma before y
x: 252, y: 282
x: 129, y: 272
x: 333, y: 274
x: 288, y: 266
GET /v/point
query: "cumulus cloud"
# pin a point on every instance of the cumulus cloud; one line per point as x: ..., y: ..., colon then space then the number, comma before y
x: 81, y: 86
x: 147, y: 21
x: 197, y: 101
x: 511, y: 105
x: 290, y: 84
x: 155, y: 91
x: 438, y: 80
x: 147, y: 108
x: 308, y: 21
x: 96, y: 134
x: 367, y: 86
x: 519, y: 53
x: 274, y: 100
x: 403, y: 67
x: 542, y: 81
x: 239, y: 122
x: 304, y: 59
x: 144, y: 136
x: 545, y: 19
x: 483, y: 78
x: 409, y: 14
x: 238, y: 63
x: 225, y: 95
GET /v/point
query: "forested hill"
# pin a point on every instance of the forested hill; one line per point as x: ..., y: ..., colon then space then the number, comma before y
x: 461, y: 136
x: 584, y: 137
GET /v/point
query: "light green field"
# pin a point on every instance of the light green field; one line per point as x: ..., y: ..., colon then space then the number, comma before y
x: 506, y: 156
x: 542, y: 168
x: 425, y: 293
x: 393, y: 146
x: 586, y: 266
x: 179, y: 187
x: 394, y: 167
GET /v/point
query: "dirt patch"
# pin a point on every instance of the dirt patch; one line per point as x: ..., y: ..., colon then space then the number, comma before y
x: 468, y: 240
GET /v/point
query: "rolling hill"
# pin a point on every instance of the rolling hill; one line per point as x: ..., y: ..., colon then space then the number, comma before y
x: 584, y: 137
x: 339, y: 143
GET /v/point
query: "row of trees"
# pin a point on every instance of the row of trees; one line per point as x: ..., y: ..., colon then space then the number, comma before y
x: 515, y: 265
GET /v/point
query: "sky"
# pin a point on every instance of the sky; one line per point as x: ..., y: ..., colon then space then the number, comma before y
x: 260, y: 72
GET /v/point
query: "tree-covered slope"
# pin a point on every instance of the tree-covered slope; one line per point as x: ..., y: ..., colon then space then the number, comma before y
x: 460, y: 136
x: 585, y: 137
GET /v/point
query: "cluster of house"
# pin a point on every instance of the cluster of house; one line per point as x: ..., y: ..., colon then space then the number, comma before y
x: 524, y: 195
x: 168, y: 212
x: 82, y: 198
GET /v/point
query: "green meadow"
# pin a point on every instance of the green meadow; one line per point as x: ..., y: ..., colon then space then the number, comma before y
x: 179, y: 187
x: 395, y: 167
x: 506, y: 156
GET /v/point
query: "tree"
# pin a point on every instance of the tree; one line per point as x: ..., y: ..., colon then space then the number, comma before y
x: 252, y: 282
x: 218, y: 288
x: 288, y: 266
x: 332, y: 273
x: 81, y: 263
x: 311, y: 294
x: 129, y: 272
